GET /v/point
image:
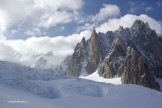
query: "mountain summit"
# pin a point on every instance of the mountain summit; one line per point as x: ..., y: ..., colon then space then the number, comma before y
x: 134, y: 54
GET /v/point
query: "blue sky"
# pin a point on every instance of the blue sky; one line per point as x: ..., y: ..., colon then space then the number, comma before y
x: 30, y: 29
x: 27, y: 12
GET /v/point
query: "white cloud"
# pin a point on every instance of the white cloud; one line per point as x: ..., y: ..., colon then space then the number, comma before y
x: 87, y: 26
x: 59, y: 4
x: 38, y: 13
x: 148, y: 8
x: 133, y: 7
x: 49, y: 20
x: 33, y: 32
x: 3, y: 22
x: 127, y: 21
x: 61, y: 28
x: 107, y: 11
x: 27, y: 51
x: 131, y: 3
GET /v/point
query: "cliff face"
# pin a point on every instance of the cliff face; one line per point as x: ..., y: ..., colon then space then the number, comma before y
x: 89, y: 54
x: 95, y: 54
x: 136, y: 70
x: 111, y: 64
x: 135, y: 54
x: 78, y: 61
x: 148, y: 43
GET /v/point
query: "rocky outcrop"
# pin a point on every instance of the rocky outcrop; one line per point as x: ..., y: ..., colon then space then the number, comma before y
x: 148, y: 43
x: 135, y: 54
x: 95, y: 54
x: 111, y: 65
x: 99, y: 46
x: 88, y: 54
x: 137, y: 71
x: 79, y: 59
x: 128, y: 64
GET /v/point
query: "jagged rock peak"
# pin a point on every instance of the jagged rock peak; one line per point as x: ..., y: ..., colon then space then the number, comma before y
x: 94, y: 39
x: 94, y: 33
x: 94, y: 30
x: 147, y: 42
x: 121, y: 28
x: 83, y: 41
x: 139, y: 24
x: 131, y: 53
x: 111, y: 66
x: 94, y: 53
x: 77, y: 63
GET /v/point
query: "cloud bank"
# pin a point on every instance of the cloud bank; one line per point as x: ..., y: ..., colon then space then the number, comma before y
x: 55, y: 49
x: 38, y: 14
x: 28, y: 51
x: 127, y: 21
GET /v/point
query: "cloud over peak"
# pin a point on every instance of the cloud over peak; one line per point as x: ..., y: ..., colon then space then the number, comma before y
x: 27, y: 51
x: 37, y: 18
x: 127, y: 21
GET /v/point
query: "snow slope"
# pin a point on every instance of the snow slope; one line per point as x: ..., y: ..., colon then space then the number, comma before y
x: 79, y: 93
x: 22, y: 87
x: 95, y: 77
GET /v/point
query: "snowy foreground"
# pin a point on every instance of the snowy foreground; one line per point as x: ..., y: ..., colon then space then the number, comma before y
x: 30, y: 90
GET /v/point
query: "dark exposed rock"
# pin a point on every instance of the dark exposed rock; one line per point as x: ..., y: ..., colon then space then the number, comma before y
x: 135, y: 54
x: 111, y: 66
x: 78, y: 60
x: 100, y: 44
x: 88, y: 54
x: 95, y: 54
x: 137, y: 71
x: 148, y: 43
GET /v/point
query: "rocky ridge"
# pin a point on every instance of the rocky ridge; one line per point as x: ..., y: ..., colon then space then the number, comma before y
x: 134, y: 54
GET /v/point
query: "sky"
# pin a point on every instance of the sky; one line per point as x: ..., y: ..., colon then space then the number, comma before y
x: 30, y: 29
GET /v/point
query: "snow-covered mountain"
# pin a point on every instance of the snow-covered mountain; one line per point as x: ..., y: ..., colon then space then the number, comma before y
x: 134, y: 54
x: 103, y: 63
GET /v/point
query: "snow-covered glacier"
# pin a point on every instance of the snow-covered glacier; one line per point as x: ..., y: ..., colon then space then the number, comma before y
x: 24, y: 87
